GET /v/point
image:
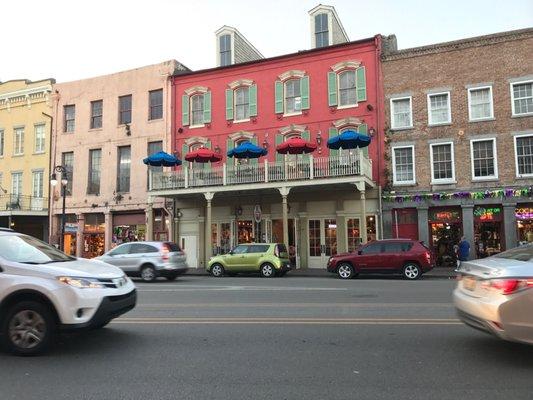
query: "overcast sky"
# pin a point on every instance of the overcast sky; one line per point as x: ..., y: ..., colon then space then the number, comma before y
x: 70, y: 40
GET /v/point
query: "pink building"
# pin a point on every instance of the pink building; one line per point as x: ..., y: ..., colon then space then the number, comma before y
x: 103, y: 127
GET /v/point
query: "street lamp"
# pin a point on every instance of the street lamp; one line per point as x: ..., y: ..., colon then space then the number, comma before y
x: 64, y: 181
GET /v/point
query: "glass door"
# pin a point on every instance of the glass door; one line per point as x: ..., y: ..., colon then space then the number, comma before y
x: 322, y: 241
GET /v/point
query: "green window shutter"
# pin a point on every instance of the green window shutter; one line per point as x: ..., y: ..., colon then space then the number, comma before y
x: 332, y: 89
x: 252, y: 100
x: 279, y: 97
x: 184, y: 151
x: 207, y: 107
x: 360, y: 83
x: 229, y: 104
x: 279, y: 140
x: 363, y: 128
x: 306, y: 135
x: 304, y: 90
x: 333, y: 132
x: 185, y: 110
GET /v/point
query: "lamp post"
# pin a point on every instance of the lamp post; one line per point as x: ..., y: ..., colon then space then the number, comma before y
x: 64, y: 181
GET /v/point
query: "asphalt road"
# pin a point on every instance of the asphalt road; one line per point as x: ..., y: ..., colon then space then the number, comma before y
x: 283, y: 338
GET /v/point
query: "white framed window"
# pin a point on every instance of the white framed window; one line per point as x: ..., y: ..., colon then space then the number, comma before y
x: 37, y: 183
x: 197, y: 110
x: 401, y: 113
x: 439, y: 108
x: 242, y: 103
x: 293, y: 96
x: 347, y: 88
x: 225, y: 49
x: 522, y: 98
x: 442, y: 163
x: 321, y: 30
x: 18, y: 141
x: 2, y: 142
x: 480, y: 106
x: 16, y: 183
x: 40, y: 138
x: 403, y: 165
x: 524, y: 155
x: 484, y: 159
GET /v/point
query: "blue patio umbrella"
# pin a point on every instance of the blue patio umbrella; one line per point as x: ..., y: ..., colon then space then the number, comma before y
x: 162, y: 159
x: 348, y: 140
x: 247, y: 150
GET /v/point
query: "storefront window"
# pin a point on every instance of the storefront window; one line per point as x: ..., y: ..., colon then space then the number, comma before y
x: 245, y: 231
x: 524, y: 224
x: 214, y: 242
x: 446, y: 229
x: 488, y: 230
x: 353, y: 233
x: 93, y: 235
x: 161, y: 222
x: 128, y: 233
x: 225, y: 237
x: 371, y: 232
x: 69, y: 239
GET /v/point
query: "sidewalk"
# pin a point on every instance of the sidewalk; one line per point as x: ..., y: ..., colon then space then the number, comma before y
x: 440, y: 272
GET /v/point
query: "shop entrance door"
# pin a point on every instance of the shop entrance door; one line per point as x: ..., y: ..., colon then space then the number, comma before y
x: 189, y: 244
x: 322, y: 241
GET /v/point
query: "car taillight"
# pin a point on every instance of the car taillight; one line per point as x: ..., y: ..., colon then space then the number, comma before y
x: 428, y: 256
x: 509, y: 286
x: 164, y: 252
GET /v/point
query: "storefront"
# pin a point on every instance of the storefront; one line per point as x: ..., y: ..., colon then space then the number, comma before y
x: 161, y: 223
x: 488, y: 230
x: 69, y: 239
x: 524, y: 223
x: 93, y: 236
x: 128, y: 227
x: 405, y: 223
x: 445, y: 229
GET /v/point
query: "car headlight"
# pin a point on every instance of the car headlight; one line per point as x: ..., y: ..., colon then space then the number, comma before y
x: 82, y: 283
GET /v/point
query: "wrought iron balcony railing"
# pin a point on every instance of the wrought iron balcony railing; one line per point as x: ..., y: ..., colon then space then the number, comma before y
x: 15, y: 202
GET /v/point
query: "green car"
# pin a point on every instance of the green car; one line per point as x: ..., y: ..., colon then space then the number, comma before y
x: 269, y: 259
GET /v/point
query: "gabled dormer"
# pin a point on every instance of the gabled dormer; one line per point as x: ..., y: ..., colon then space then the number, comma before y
x: 234, y: 48
x: 326, y: 27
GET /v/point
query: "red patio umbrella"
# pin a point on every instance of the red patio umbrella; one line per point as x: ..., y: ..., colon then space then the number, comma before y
x: 203, y: 155
x: 295, y: 145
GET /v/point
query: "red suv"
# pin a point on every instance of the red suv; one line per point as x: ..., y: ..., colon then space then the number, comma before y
x: 407, y: 257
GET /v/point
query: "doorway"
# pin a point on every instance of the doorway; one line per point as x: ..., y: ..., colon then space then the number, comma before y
x: 189, y: 244
x: 277, y: 237
x: 322, y: 241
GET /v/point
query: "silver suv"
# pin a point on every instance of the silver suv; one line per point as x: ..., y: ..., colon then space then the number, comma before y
x: 148, y: 260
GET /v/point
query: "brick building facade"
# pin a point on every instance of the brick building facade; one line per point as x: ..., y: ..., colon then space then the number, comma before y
x: 460, y: 133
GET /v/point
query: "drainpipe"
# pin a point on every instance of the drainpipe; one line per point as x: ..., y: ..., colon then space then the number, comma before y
x: 50, y: 190
x: 380, y: 123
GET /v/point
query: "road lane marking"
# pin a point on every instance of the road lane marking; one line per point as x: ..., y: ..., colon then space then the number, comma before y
x: 243, y: 288
x: 293, y: 305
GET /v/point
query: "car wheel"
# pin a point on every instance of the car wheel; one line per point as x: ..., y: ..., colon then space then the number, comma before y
x: 148, y: 274
x: 411, y: 271
x: 28, y: 329
x: 345, y: 271
x: 267, y: 270
x: 217, y: 270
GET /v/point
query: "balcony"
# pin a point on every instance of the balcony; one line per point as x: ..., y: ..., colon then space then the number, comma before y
x: 265, y: 173
x: 12, y: 204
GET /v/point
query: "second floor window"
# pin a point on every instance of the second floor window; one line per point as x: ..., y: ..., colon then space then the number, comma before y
x: 480, y: 103
x: 95, y: 166
x: 124, y: 109
x: 197, y: 109
x: 293, y: 97
x: 96, y: 114
x: 401, y: 113
x: 156, y: 104
x: 69, y: 113
x: 442, y: 168
x: 403, y: 165
x: 522, y: 97
x: 37, y: 183
x: 2, y: 141
x: 439, y: 109
x: 16, y: 183
x: 123, y: 169
x: 154, y: 147
x: 225, y: 50
x: 483, y: 159
x: 67, y: 161
x: 18, y: 141
x: 524, y: 155
x: 347, y: 90
x: 39, y: 138
x: 321, y: 30
x: 242, y: 104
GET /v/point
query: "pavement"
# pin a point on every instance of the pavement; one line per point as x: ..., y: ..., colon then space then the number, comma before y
x: 288, y: 338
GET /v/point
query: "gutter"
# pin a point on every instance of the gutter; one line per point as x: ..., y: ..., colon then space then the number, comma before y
x: 49, y: 172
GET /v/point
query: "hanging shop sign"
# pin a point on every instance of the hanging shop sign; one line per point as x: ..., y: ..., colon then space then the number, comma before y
x: 71, y: 227
x: 257, y: 213
x: 487, y: 214
x: 524, y: 213
x: 442, y: 215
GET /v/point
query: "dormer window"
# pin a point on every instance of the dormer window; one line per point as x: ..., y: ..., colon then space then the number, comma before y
x: 225, y: 50
x: 321, y: 30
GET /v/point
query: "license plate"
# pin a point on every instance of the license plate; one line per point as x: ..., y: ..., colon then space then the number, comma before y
x: 469, y: 283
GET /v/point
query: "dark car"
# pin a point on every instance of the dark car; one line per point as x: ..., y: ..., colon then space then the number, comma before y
x: 397, y: 256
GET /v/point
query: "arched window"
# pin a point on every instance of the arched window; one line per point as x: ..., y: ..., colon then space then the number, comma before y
x: 242, y: 103
x: 347, y: 88
x: 197, y: 109
x: 193, y: 147
x: 293, y: 96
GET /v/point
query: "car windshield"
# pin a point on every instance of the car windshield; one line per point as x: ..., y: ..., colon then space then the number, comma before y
x: 522, y: 253
x: 28, y: 250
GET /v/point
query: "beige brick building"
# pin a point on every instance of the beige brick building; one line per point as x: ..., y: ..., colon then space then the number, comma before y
x: 460, y: 117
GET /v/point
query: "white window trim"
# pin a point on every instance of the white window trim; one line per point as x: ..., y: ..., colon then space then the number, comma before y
x: 15, y: 153
x: 392, y: 112
x: 442, y: 181
x: 190, y: 109
x: 285, y: 113
x: 491, y: 116
x: 356, y: 104
x: 35, y: 139
x: 33, y: 172
x: 449, y: 121
x: 514, y: 114
x: 495, y: 154
x: 403, y: 183
x: 235, y: 120
x: 518, y: 175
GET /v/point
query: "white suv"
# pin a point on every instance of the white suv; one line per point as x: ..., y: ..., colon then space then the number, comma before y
x: 43, y: 291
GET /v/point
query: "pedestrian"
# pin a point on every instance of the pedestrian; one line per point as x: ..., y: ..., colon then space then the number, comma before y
x: 464, y: 249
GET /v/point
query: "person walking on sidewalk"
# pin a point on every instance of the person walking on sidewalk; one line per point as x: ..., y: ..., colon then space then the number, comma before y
x: 464, y: 250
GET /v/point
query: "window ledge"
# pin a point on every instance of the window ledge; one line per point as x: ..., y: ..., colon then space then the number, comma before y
x: 37, y: 153
x: 443, y: 182
x: 292, y: 114
x: 439, y: 124
x: 196, y: 126
x: 522, y: 115
x: 524, y: 176
x: 150, y: 121
x: 485, y: 179
x: 405, y: 128
x: 482, y: 119
x: 348, y: 106
x: 410, y: 183
x: 95, y: 129
x: 18, y: 155
x: 238, y: 121
x: 126, y: 123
